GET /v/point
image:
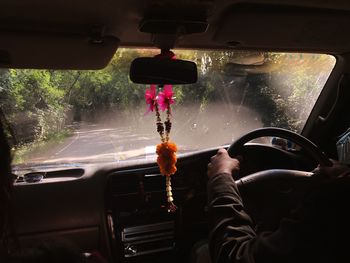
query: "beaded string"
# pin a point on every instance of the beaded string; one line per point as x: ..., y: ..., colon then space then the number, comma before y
x: 166, y: 150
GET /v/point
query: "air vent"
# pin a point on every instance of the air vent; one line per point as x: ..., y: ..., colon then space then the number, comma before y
x: 156, y: 182
x: 153, y: 182
x: 135, y: 183
x: 65, y: 173
x: 125, y: 184
x: 138, y: 233
x: 148, y: 239
x: 49, y: 176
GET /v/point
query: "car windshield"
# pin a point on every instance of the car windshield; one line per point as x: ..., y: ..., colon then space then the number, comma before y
x: 84, y: 116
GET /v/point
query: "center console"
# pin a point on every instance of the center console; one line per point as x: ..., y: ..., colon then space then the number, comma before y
x: 140, y: 227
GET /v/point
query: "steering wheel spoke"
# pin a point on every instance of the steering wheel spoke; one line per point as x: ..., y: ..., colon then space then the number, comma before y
x: 271, y: 175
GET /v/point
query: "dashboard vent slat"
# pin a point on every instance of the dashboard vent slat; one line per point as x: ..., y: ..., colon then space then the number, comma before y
x: 154, y: 183
x: 125, y: 184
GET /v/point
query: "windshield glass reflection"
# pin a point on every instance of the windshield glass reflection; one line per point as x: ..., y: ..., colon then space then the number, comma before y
x: 56, y: 116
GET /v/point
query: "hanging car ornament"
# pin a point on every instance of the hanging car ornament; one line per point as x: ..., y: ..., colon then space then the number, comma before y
x: 166, y: 150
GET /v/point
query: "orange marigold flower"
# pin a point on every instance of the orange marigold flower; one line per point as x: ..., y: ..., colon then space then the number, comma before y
x: 167, y: 158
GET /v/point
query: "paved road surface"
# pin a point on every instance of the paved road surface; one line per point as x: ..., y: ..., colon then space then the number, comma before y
x: 91, y: 142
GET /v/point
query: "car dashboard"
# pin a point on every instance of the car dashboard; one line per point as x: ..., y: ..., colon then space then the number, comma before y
x: 120, y: 209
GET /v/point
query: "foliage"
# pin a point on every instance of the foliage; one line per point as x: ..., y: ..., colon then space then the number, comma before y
x: 23, y: 151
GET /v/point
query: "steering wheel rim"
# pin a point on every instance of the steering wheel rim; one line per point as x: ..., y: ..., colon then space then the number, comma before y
x: 309, y: 147
x: 273, y: 177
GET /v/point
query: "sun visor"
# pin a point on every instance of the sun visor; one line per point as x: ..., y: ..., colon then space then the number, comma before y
x: 42, y: 50
x: 284, y: 28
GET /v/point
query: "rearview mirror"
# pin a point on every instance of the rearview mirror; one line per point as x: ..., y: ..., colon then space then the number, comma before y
x: 163, y: 71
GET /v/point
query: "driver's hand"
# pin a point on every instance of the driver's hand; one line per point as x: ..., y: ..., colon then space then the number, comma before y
x: 222, y: 163
x: 336, y: 170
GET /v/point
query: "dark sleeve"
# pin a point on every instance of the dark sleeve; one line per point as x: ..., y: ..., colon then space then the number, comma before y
x: 232, y: 237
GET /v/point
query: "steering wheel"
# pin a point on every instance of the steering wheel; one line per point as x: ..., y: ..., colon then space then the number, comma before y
x: 259, y: 189
x: 309, y: 147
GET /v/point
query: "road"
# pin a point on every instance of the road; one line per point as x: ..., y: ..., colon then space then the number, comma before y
x: 91, y: 142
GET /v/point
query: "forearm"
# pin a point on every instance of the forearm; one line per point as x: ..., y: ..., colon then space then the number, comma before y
x: 232, y: 236
x: 233, y: 239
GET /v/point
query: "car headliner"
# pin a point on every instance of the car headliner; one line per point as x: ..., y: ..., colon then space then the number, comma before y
x: 85, y: 34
